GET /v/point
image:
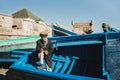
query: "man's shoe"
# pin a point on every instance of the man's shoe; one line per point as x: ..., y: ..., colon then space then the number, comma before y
x: 49, y: 69
x: 41, y: 66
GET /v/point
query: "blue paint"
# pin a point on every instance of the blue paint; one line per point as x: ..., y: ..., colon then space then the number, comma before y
x: 77, y: 57
x: 66, y: 64
x: 57, y: 31
x: 71, y: 67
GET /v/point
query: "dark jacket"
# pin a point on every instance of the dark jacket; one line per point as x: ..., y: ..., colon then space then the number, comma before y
x: 48, y: 47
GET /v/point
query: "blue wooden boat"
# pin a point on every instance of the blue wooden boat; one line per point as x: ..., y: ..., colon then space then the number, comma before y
x: 78, y: 57
x: 57, y: 31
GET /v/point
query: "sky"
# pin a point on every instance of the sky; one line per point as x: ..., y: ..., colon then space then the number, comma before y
x: 64, y: 11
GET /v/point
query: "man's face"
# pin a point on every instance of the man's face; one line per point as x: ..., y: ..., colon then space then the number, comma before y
x: 44, y: 37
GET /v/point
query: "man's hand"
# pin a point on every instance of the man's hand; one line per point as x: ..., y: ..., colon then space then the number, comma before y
x: 41, y: 50
x: 46, y: 52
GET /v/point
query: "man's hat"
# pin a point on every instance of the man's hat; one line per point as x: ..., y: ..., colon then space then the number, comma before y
x: 45, y: 32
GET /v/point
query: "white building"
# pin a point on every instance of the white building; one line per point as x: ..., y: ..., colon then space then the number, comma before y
x: 21, y: 23
x: 6, y: 21
x: 82, y: 27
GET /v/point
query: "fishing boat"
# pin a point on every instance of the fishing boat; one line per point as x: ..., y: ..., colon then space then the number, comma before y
x: 58, y: 31
x: 76, y: 57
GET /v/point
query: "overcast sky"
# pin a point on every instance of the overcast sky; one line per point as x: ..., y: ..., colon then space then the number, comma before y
x: 63, y: 11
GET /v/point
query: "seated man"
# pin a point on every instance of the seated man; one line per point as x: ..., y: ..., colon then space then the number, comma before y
x: 44, y: 48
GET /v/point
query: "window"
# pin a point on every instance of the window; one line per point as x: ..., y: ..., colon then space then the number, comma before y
x: 2, y: 17
x: 14, y: 26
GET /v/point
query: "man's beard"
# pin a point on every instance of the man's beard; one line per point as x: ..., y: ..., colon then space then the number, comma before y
x: 45, y: 39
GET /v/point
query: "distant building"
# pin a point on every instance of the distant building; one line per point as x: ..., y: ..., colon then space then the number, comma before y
x: 24, y: 19
x: 21, y: 23
x: 5, y: 21
x: 82, y: 28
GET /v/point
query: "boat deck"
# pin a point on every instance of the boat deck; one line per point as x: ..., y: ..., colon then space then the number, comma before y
x: 75, y: 57
x: 61, y: 66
